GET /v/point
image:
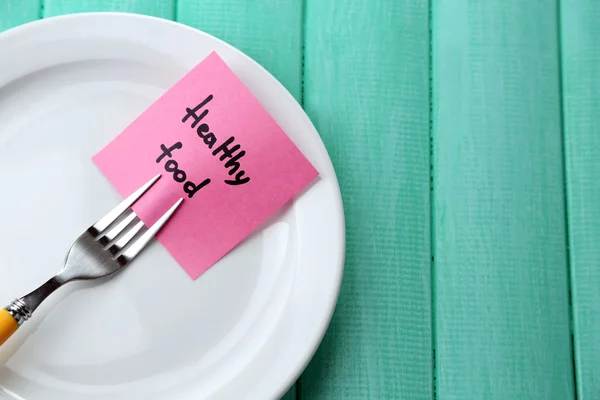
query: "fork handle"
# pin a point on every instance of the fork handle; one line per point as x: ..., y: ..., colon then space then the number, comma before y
x: 20, y: 310
x: 11, y: 318
x: 8, y: 325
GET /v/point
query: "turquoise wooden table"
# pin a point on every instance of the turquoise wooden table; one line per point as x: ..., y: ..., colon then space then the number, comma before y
x: 466, y: 138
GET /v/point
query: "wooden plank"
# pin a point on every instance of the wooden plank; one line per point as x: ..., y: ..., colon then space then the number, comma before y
x: 367, y: 91
x: 500, y: 273
x: 17, y: 12
x: 269, y: 31
x: 158, y: 8
x: 291, y: 394
x: 581, y: 105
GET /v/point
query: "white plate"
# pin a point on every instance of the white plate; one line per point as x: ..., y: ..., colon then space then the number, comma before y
x: 245, y: 329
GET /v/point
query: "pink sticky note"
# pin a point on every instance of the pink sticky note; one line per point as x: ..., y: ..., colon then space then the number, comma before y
x: 221, y: 152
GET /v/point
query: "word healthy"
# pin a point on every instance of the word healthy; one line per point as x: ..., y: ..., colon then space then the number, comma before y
x: 232, y: 153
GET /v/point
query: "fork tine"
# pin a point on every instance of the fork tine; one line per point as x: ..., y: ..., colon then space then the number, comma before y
x: 140, y: 243
x: 126, y: 238
x: 112, y: 233
x: 112, y: 215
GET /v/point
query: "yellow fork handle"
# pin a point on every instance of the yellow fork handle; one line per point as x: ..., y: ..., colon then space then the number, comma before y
x: 8, y: 325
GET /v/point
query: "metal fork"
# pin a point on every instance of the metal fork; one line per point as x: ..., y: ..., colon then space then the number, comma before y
x: 102, y: 250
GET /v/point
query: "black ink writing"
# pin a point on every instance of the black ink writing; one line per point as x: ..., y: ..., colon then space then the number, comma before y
x: 209, y: 139
x: 192, y: 112
x: 232, y: 163
x: 179, y: 175
x: 233, y: 166
x: 167, y: 152
x: 191, y: 188
x: 228, y: 150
